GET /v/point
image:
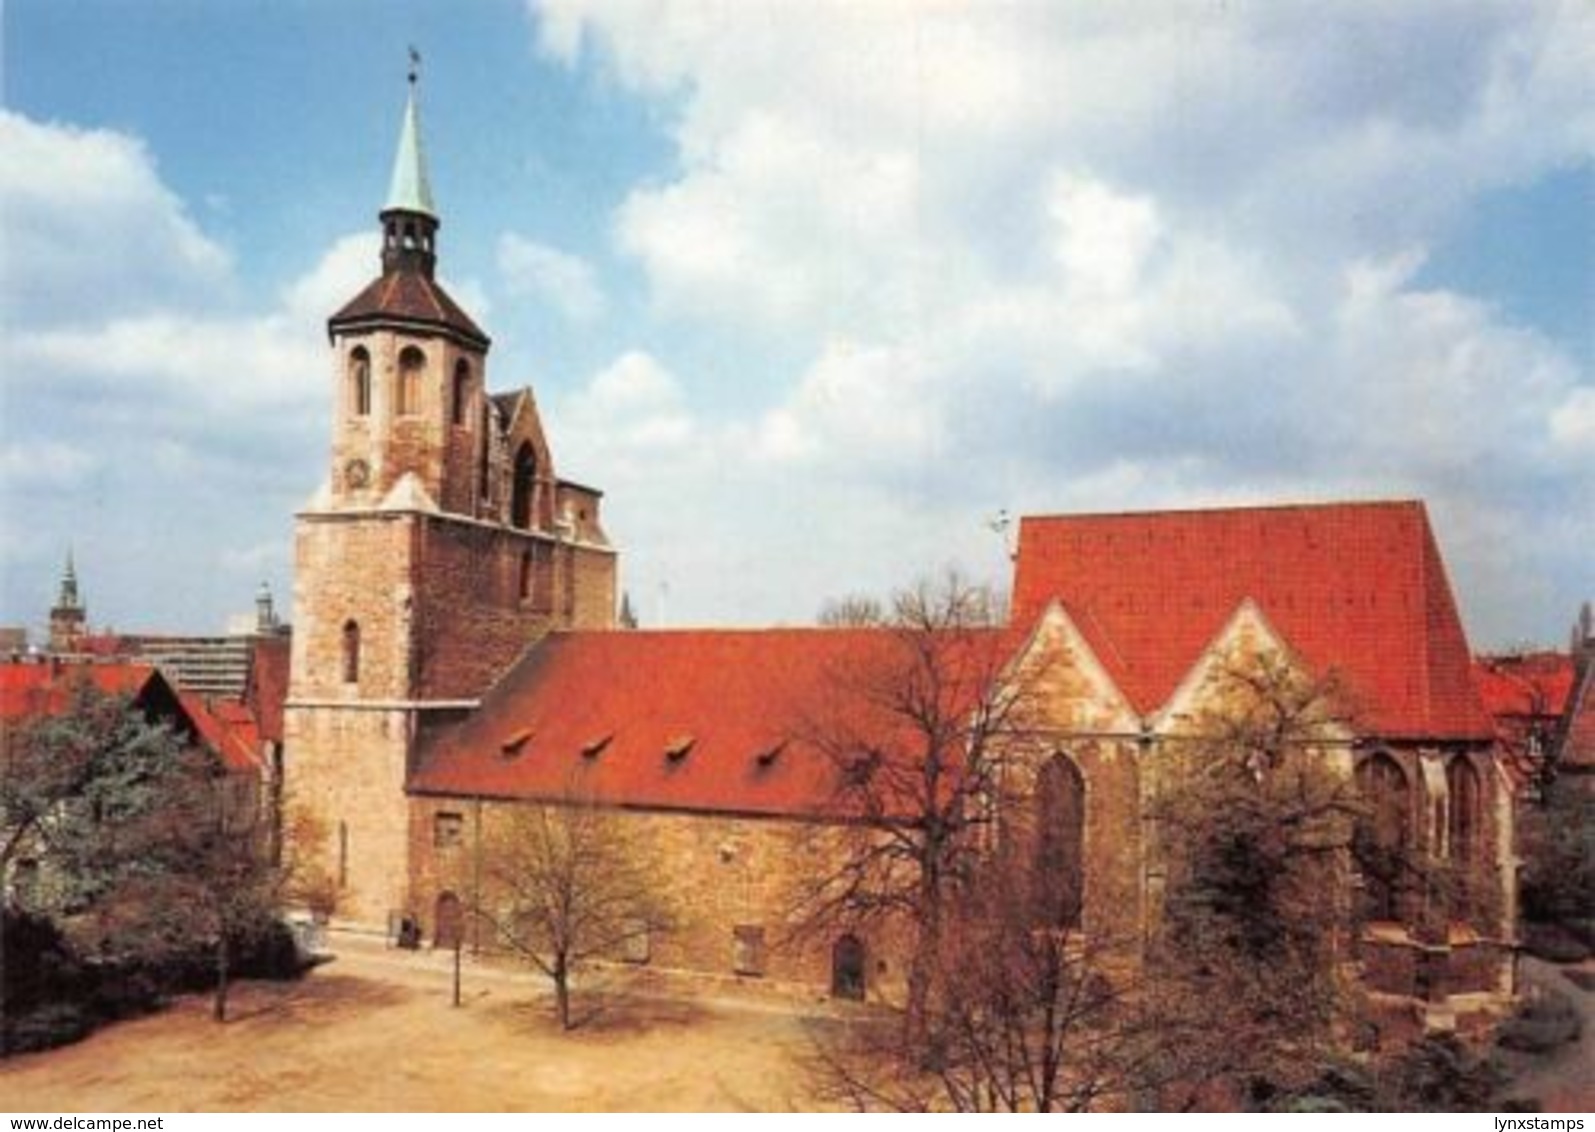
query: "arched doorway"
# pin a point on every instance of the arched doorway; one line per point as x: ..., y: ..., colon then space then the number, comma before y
x: 847, y: 968
x: 448, y: 930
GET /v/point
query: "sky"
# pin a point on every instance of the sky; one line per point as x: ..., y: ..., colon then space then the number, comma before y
x: 813, y: 290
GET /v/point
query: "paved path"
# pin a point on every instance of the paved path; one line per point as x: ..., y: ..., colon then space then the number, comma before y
x: 1563, y: 1080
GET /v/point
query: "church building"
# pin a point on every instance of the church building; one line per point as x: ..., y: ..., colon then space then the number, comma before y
x: 455, y: 656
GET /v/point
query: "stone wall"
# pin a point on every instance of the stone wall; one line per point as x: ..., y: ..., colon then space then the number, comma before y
x: 716, y: 873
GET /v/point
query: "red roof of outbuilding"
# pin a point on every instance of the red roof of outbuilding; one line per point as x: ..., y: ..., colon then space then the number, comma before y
x: 1526, y: 684
x: 40, y: 689
x: 596, y: 714
x: 1356, y: 589
x: 1578, y: 736
x: 226, y: 727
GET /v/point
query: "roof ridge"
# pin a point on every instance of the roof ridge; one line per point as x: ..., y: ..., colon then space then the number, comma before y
x: 1232, y: 508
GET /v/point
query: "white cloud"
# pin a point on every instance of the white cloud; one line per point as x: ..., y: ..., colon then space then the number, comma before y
x: 85, y: 210
x: 564, y: 280
x: 1104, y: 256
x: 33, y: 465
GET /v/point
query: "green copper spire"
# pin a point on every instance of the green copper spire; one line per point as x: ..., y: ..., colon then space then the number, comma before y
x: 409, y: 191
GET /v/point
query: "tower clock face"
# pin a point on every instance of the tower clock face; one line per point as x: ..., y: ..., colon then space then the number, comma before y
x: 356, y: 474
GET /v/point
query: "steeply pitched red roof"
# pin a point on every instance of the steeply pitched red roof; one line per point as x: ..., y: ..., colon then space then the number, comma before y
x: 408, y: 297
x: 597, y: 715
x: 1356, y: 589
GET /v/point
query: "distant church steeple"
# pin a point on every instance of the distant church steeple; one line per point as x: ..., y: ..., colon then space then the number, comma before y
x: 67, y: 616
x: 410, y: 219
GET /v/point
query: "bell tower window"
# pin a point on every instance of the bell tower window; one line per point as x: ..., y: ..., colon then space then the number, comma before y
x: 351, y: 652
x: 360, y: 382
x: 462, y: 392
x: 411, y: 363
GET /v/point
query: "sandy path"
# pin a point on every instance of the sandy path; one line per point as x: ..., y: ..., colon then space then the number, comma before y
x: 375, y: 1031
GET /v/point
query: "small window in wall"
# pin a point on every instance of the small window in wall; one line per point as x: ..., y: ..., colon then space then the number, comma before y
x: 448, y: 830
x: 351, y: 652
x: 343, y: 854
x: 360, y: 382
x: 636, y: 947
x: 747, y: 949
x: 462, y: 392
x: 411, y: 363
x: 524, y: 589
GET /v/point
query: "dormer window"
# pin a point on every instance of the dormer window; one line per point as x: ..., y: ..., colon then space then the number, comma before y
x: 766, y: 758
x: 677, y: 748
x: 514, y: 744
x: 595, y: 746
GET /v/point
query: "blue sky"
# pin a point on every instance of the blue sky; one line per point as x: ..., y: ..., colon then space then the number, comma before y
x: 812, y: 290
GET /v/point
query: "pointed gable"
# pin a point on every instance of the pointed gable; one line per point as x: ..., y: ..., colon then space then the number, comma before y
x: 1355, y: 589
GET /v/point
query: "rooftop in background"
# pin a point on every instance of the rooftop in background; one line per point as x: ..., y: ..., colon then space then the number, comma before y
x: 1358, y: 590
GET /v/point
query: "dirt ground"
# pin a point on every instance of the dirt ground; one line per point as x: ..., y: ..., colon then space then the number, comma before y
x: 376, y: 1031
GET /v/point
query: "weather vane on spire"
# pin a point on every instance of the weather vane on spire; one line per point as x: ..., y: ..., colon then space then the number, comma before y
x: 415, y: 65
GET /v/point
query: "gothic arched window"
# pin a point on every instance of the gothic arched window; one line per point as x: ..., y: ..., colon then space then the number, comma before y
x: 523, y: 486
x: 411, y: 363
x: 360, y: 381
x: 462, y: 392
x: 1383, y: 835
x: 1057, y: 875
x: 351, y: 652
x: 1462, y: 784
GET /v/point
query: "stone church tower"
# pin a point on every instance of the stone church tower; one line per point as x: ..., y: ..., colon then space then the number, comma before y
x: 440, y: 546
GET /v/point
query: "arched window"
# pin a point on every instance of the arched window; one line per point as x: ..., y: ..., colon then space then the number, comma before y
x: 462, y: 392
x: 1462, y: 784
x: 524, y: 486
x: 411, y: 363
x: 1057, y: 876
x: 360, y: 381
x: 351, y: 652
x: 1383, y: 835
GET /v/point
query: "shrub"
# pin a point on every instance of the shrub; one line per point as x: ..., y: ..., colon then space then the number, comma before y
x: 1540, y: 1024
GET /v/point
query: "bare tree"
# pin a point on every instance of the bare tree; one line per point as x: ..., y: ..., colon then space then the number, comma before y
x: 566, y: 884
x: 853, y: 611
x: 918, y: 730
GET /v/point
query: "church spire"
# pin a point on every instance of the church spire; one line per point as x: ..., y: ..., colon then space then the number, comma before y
x: 68, y: 598
x: 409, y: 218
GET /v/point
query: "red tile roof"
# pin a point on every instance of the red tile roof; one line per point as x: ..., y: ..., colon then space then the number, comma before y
x: 1526, y: 684
x: 1356, y: 589
x: 227, y: 728
x: 408, y: 297
x: 599, y: 713
x: 34, y: 689
x: 44, y: 688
